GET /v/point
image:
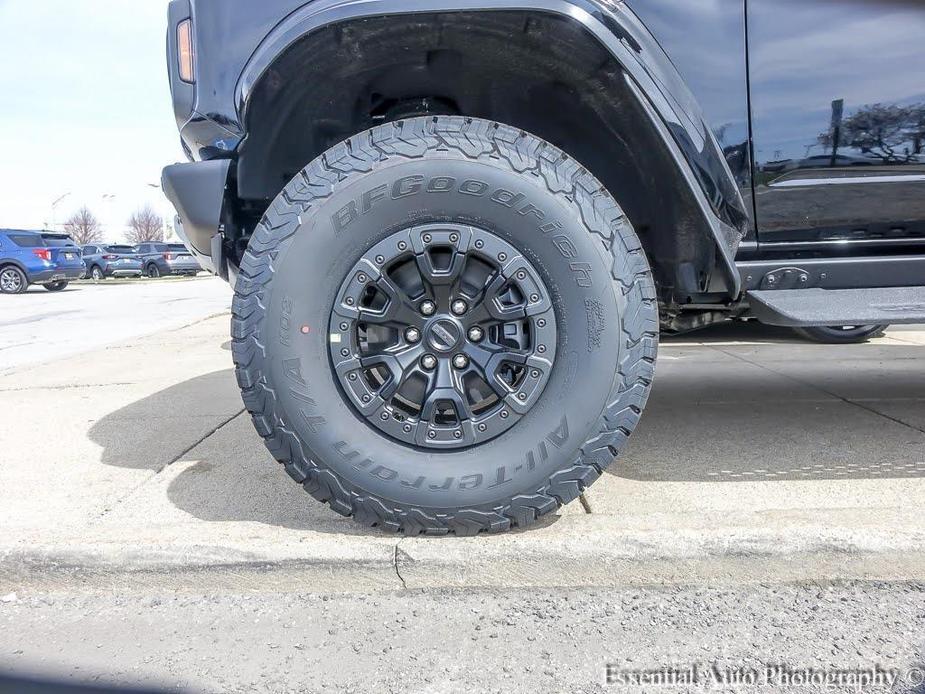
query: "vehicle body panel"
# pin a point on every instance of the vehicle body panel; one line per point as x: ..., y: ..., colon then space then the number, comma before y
x: 229, y: 31
x: 838, y: 106
x: 716, y: 77
x: 747, y: 96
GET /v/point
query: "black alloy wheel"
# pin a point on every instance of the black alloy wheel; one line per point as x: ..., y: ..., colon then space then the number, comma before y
x: 443, y: 336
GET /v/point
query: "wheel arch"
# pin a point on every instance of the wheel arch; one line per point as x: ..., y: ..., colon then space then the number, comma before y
x: 688, y: 209
x: 7, y: 262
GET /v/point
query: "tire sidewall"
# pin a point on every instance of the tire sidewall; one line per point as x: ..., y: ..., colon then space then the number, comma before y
x: 311, y: 264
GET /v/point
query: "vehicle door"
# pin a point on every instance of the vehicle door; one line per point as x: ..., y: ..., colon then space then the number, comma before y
x: 837, y: 93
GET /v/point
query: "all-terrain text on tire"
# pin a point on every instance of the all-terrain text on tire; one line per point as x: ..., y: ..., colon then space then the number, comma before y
x: 455, y: 233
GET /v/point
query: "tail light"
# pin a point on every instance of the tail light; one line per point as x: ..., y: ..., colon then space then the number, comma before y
x: 110, y: 256
x: 168, y: 256
x: 43, y: 253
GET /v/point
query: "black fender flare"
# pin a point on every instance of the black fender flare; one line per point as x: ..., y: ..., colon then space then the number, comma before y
x: 651, y: 75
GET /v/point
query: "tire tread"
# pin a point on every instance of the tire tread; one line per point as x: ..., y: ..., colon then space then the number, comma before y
x: 523, y: 153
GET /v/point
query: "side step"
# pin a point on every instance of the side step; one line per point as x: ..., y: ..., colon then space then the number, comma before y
x: 803, y: 307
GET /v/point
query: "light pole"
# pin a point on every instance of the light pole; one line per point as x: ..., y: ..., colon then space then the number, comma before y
x: 168, y: 230
x: 109, y: 198
x: 54, y: 210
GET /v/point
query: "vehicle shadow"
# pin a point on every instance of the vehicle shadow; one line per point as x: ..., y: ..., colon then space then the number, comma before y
x: 712, y: 417
x: 750, y: 402
x: 227, y: 473
x: 737, y: 331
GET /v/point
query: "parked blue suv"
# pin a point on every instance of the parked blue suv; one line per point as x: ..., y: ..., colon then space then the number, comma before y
x: 37, y: 257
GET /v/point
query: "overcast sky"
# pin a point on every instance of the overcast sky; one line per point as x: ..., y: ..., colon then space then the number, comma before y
x: 84, y: 110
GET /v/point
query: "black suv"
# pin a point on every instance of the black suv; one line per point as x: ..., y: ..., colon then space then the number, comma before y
x: 455, y: 229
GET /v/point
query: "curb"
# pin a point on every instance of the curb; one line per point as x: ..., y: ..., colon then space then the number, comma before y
x: 569, y: 551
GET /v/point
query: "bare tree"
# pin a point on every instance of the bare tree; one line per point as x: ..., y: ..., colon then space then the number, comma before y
x: 915, y: 128
x: 145, y: 225
x: 889, y: 132
x: 84, y: 227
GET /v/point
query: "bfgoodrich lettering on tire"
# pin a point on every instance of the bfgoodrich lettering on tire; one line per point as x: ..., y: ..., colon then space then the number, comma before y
x: 444, y: 325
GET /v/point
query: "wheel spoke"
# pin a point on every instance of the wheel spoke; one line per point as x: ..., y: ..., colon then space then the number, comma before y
x: 442, y: 276
x: 400, y: 309
x: 445, y: 386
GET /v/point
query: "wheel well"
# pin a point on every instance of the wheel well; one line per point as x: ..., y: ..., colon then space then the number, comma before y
x: 12, y: 263
x: 539, y: 72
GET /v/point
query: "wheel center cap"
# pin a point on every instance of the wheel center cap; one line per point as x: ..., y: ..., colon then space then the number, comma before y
x: 444, y: 334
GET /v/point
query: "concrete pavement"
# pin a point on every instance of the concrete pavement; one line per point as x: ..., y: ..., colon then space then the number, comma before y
x: 759, y: 457
x: 40, y: 325
x: 731, y: 639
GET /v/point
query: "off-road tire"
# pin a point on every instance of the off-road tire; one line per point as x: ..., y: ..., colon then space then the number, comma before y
x: 841, y: 335
x: 283, y: 291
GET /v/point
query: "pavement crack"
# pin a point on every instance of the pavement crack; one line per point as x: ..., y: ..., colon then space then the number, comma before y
x: 395, y: 557
x: 200, y: 320
x: 106, y: 511
x: 848, y: 401
x: 202, y: 438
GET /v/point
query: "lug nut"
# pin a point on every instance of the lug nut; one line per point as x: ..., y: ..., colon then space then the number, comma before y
x: 428, y: 308
x: 459, y: 307
x: 476, y: 333
x: 412, y: 335
x: 429, y: 361
x: 460, y: 361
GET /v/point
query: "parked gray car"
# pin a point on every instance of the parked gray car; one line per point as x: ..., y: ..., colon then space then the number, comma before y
x: 166, y: 259
x: 111, y: 260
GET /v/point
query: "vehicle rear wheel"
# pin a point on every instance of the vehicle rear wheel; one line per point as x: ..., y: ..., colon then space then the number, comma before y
x: 96, y: 273
x: 444, y: 325
x: 841, y: 334
x: 153, y: 271
x: 56, y: 286
x: 13, y: 280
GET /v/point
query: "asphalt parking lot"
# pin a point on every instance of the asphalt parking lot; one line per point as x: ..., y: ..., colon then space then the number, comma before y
x: 39, y: 325
x: 131, y: 470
